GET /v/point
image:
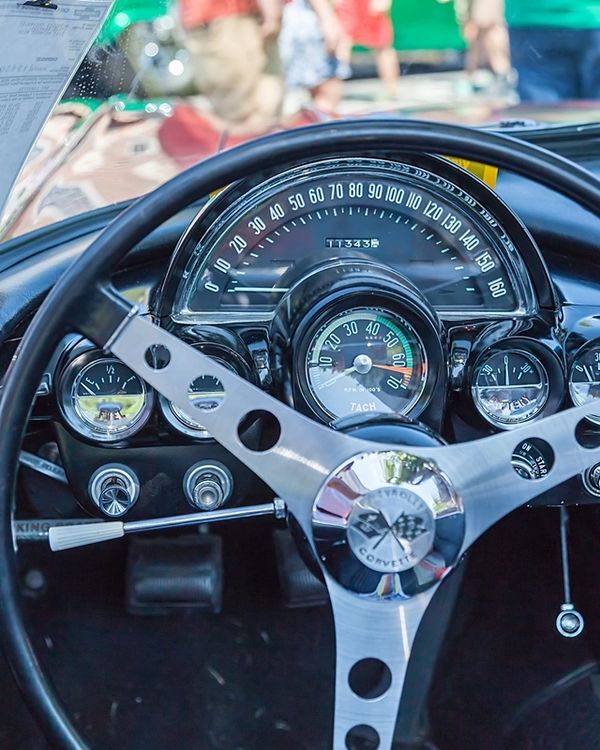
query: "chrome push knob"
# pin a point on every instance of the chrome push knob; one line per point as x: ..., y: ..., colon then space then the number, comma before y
x: 569, y: 622
x: 207, y: 486
x: 114, y: 489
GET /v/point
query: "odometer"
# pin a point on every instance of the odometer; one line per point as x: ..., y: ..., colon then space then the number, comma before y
x: 365, y: 360
x: 248, y: 256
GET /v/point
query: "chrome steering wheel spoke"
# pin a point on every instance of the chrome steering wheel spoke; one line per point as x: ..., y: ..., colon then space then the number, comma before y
x: 374, y: 641
x: 484, y: 477
x: 299, y: 461
x: 386, y: 522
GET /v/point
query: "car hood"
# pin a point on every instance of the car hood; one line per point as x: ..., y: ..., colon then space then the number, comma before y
x: 93, y: 154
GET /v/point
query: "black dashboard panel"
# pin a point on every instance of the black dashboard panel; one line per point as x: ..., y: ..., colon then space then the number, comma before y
x: 473, y: 368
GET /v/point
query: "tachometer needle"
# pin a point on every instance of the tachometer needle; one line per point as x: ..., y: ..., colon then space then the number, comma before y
x: 337, y: 376
x: 404, y: 370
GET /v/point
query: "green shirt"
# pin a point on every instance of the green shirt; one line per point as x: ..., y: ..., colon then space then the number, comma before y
x: 570, y: 14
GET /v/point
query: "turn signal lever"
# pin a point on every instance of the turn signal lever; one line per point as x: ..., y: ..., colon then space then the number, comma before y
x: 569, y: 622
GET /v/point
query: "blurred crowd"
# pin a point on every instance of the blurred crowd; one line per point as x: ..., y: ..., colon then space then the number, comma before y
x: 247, y: 53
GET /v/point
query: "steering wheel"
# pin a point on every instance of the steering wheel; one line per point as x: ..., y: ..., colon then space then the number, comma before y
x: 443, y: 498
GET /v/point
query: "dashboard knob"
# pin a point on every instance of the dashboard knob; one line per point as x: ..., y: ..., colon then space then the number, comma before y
x: 207, y: 486
x: 114, y: 489
x: 569, y: 622
x: 591, y: 480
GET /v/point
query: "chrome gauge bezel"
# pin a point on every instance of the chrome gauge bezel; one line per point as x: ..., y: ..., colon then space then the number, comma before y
x: 337, y: 315
x: 67, y: 400
x: 179, y: 421
x: 392, y: 297
x: 584, y: 350
x: 537, y: 361
x: 169, y: 412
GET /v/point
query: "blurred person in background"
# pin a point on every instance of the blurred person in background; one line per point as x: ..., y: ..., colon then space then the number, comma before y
x: 309, y: 42
x: 555, y: 47
x: 484, y: 30
x: 233, y: 46
x: 367, y: 23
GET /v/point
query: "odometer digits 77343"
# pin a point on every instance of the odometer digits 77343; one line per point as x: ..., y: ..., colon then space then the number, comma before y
x: 365, y: 360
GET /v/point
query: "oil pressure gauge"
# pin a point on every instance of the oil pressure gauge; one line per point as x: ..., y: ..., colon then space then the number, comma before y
x: 510, y: 387
x: 584, y: 380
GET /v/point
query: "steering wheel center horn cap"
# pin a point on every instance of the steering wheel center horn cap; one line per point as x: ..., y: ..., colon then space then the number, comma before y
x: 388, y: 524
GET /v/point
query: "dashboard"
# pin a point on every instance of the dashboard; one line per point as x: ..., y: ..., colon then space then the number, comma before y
x: 348, y: 288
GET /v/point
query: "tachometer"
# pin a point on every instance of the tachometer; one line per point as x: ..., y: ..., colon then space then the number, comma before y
x: 406, y: 218
x: 364, y: 360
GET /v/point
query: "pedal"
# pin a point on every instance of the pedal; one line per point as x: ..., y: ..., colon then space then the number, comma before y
x: 164, y: 574
x: 299, y: 586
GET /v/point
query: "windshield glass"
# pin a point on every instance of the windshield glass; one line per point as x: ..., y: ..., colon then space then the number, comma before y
x: 167, y: 83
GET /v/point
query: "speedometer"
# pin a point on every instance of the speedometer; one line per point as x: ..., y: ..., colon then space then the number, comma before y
x: 246, y: 258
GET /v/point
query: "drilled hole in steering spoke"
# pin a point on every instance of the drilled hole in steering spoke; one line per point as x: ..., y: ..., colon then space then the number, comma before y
x: 362, y: 737
x: 533, y: 458
x: 259, y: 430
x: 157, y: 356
x: 587, y: 434
x: 370, y: 678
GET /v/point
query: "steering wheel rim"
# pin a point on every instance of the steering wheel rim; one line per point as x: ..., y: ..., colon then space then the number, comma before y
x: 76, y: 295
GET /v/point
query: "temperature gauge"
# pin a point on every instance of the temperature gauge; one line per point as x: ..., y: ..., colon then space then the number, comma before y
x: 584, y: 380
x: 510, y: 387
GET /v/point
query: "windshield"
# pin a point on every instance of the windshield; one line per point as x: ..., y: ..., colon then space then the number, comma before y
x: 167, y: 83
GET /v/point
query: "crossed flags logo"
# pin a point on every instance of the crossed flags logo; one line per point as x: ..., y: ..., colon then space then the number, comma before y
x: 407, y: 526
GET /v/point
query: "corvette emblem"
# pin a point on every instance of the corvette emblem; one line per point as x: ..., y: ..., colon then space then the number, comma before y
x: 391, y: 530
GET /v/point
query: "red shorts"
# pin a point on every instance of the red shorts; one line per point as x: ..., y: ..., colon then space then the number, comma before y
x: 363, y: 27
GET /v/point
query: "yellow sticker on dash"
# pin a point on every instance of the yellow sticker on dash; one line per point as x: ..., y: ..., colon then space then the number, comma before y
x: 484, y: 172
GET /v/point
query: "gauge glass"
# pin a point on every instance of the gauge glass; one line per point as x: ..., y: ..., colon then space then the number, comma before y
x: 510, y: 387
x: 109, y: 401
x: 584, y: 381
x: 206, y: 393
x: 365, y: 360
x: 442, y: 240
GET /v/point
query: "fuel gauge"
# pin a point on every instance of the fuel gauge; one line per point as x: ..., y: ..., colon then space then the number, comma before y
x: 103, y: 399
x: 584, y: 380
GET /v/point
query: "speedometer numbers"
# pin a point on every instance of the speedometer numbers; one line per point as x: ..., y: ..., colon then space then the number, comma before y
x: 244, y: 259
x: 365, y: 360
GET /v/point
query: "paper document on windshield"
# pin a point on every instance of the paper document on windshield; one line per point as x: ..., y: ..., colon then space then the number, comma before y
x: 41, y: 45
